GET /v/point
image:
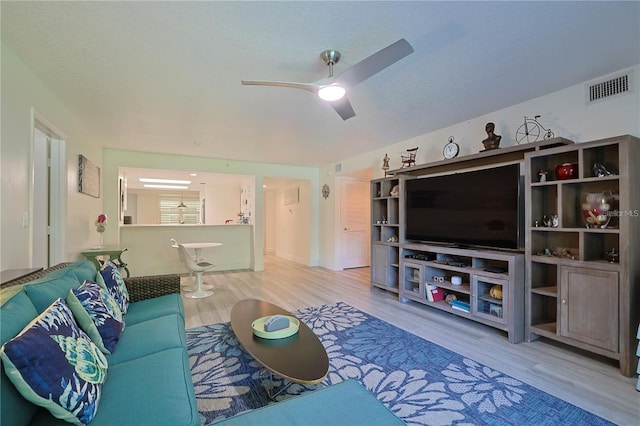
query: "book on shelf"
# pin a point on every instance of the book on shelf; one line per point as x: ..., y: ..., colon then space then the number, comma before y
x: 434, y: 294
x: 460, y: 305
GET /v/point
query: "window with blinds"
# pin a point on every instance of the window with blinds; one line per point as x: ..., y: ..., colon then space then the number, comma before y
x: 170, y: 213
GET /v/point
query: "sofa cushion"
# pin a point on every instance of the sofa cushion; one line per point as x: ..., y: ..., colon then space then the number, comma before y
x: 157, y: 399
x: 147, y: 309
x: 110, y: 278
x: 54, y: 364
x: 45, y: 290
x: 345, y: 403
x: 84, y: 270
x: 98, y: 314
x: 15, y: 314
x: 148, y: 337
x: 163, y: 392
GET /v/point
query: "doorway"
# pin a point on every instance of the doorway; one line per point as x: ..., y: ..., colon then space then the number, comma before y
x: 48, y: 194
x: 354, y: 223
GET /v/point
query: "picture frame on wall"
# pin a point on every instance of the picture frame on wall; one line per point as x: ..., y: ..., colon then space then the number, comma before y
x: 292, y: 196
x: 88, y: 177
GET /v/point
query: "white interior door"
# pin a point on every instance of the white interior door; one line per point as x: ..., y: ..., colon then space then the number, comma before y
x: 40, y: 235
x: 354, y: 223
x: 48, y: 194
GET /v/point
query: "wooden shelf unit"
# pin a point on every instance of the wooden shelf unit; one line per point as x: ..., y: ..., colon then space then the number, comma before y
x: 582, y: 299
x: 392, y: 270
x: 421, y: 265
x: 385, y: 233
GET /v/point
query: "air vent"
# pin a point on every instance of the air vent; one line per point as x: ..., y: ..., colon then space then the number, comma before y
x: 618, y: 85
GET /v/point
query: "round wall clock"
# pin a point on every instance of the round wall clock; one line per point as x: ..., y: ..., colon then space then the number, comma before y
x: 451, y: 149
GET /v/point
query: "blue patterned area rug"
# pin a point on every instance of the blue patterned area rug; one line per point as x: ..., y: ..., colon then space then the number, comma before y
x: 421, y: 382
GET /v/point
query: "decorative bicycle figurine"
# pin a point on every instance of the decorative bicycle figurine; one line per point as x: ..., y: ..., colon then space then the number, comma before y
x: 530, y: 131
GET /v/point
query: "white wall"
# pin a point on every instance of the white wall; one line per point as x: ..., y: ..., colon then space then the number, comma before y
x: 146, y: 207
x: 23, y: 93
x: 270, y: 222
x: 564, y: 111
x: 293, y: 224
x: 222, y: 203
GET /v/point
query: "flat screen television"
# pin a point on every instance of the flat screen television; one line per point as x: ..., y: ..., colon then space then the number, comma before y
x: 480, y: 208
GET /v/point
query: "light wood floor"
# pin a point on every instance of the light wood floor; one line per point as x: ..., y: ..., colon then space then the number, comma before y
x: 593, y: 384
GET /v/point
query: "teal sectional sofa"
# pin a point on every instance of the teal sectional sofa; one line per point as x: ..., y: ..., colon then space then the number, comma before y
x: 148, y: 380
x: 345, y: 403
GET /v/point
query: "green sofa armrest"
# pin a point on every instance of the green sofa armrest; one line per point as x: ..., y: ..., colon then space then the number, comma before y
x: 148, y: 287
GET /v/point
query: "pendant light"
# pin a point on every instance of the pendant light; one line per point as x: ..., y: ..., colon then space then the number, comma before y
x: 182, y: 205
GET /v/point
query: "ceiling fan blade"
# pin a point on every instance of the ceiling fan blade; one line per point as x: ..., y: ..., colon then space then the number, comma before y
x: 343, y: 108
x: 304, y: 86
x: 375, y: 63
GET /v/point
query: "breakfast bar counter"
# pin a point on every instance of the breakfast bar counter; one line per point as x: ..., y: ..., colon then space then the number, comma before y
x: 150, y: 251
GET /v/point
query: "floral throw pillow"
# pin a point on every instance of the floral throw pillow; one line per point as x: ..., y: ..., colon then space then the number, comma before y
x: 113, y: 282
x: 98, y: 314
x: 55, y: 365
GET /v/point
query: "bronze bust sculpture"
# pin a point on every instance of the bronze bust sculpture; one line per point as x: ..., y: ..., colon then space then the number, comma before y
x: 492, y: 141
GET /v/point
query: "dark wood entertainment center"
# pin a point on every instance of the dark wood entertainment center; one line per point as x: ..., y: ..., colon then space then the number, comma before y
x: 584, y: 301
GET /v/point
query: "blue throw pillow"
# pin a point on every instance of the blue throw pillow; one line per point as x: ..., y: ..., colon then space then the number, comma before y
x: 55, y: 365
x: 109, y: 277
x: 98, y: 314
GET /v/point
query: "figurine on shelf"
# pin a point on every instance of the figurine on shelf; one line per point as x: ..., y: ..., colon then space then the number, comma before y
x: 409, y: 159
x: 492, y: 141
x: 600, y: 171
x: 385, y: 164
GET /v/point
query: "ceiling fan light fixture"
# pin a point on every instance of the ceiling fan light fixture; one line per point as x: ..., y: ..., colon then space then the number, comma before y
x: 332, y: 92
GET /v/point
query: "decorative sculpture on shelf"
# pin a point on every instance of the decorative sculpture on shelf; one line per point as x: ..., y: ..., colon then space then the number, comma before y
x: 492, y: 141
x: 385, y: 164
x: 409, y: 159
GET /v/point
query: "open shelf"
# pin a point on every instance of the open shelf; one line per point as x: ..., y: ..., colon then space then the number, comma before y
x: 573, y: 269
x: 437, y: 265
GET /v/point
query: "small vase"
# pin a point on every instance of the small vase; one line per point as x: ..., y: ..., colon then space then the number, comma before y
x: 595, y: 209
x: 566, y: 171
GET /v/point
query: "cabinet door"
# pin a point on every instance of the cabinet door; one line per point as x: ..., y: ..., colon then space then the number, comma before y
x: 488, y: 298
x: 380, y: 264
x: 589, y: 306
x: 412, y: 279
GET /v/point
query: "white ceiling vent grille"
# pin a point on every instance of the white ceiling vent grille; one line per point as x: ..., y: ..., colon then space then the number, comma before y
x: 617, y: 85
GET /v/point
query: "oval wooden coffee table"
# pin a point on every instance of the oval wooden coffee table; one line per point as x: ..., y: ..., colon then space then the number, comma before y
x: 300, y: 358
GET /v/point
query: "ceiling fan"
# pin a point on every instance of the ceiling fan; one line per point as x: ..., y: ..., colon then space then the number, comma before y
x: 334, y: 88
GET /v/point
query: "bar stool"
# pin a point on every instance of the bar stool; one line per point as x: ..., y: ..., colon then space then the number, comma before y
x: 174, y: 244
x: 197, y: 268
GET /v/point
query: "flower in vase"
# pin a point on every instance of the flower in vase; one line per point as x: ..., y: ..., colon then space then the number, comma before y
x: 101, y: 223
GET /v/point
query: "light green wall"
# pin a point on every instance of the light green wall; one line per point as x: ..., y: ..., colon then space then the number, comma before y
x: 115, y: 159
x: 564, y: 111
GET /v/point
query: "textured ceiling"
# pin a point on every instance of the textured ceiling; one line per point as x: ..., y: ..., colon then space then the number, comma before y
x: 165, y: 76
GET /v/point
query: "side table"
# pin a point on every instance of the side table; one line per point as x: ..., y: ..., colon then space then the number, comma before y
x: 113, y: 253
